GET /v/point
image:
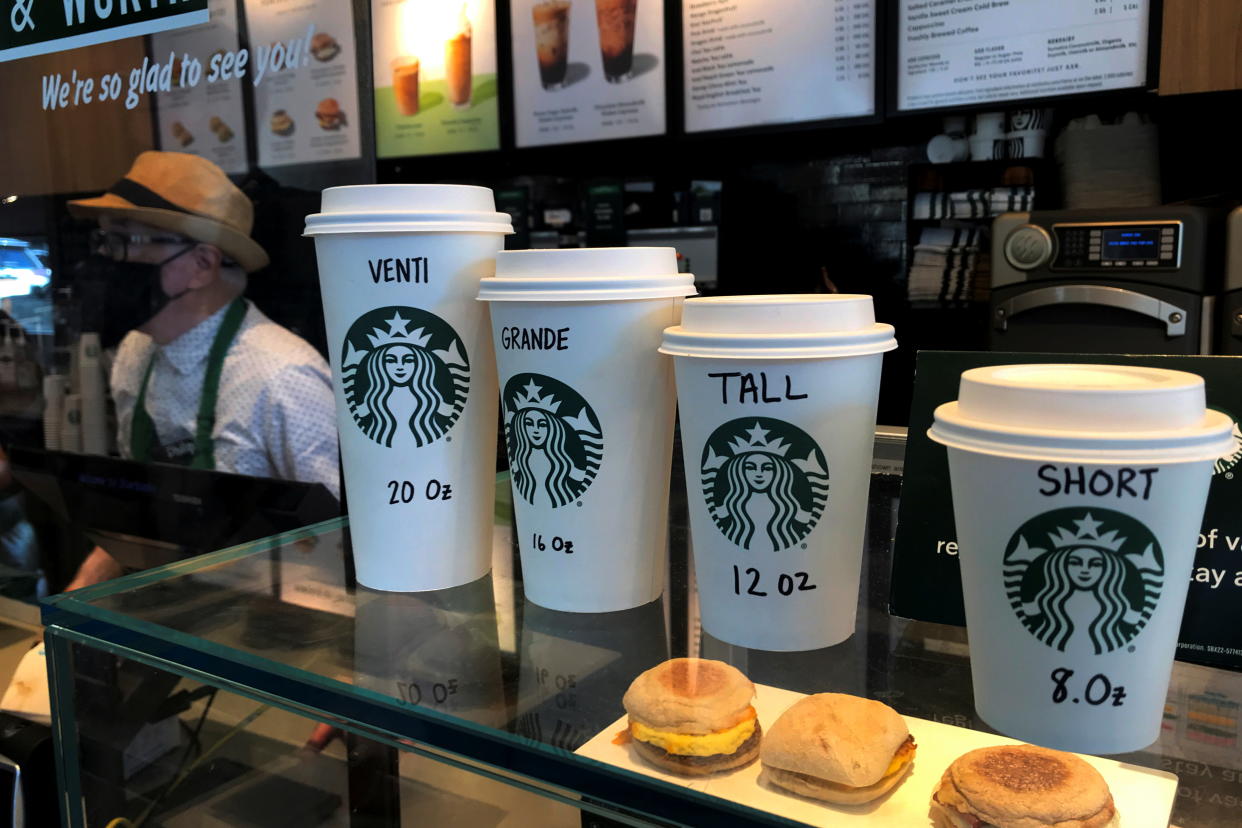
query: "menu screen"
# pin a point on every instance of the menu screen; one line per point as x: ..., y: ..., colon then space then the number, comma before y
x: 587, y: 70
x: 435, y: 77
x: 305, y: 81
x: 755, y: 62
x: 209, y: 118
x: 959, y: 52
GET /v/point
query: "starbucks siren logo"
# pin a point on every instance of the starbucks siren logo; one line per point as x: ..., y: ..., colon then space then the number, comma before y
x: 405, y: 375
x: 1083, y: 575
x: 1226, y: 463
x: 554, y: 439
x: 765, y: 482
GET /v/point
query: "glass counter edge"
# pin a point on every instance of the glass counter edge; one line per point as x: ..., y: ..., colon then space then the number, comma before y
x: 78, y: 598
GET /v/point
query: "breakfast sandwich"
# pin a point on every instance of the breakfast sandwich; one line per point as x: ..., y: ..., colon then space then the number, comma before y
x: 1022, y: 786
x: 281, y: 123
x: 329, y: 114
x: 693, y: 717
x: 841, y: 749
x: 323, y: 47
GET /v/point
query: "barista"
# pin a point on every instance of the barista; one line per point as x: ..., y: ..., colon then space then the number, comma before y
x: 201, y: 377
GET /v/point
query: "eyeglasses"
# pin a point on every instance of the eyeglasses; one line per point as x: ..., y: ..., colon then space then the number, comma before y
x: 116, y: 245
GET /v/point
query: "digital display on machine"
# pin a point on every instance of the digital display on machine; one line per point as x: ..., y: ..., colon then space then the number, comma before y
x: 1132, y: 243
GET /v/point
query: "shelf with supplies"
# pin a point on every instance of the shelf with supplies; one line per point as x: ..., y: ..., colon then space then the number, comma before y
x: 481, y: 680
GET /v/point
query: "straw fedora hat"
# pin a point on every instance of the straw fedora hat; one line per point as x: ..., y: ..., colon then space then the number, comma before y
x: 187, y: 195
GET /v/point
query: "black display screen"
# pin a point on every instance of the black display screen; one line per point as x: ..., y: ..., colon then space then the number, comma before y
x: 1133, y: 243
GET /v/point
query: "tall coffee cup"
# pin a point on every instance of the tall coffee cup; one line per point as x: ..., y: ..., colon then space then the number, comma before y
x: 778, y: 403
x: 588, y: 405
x: 1078, y: 494
x: 415, y: 381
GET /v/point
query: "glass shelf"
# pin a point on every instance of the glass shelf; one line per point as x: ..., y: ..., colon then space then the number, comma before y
x: 479, y: 678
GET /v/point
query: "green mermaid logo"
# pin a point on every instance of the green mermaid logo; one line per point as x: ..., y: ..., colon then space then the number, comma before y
x: 1087, y: 577
x: 405, y: 375
x: 554, y: 439
x: 765, y: 482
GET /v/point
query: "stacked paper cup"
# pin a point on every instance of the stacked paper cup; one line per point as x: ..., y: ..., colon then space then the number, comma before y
x: 54, y: 386
x: 778, y: 402
x: 588, y: 405
x: 415, y: 379
x: 94, y: 395
x: 71, y: 423
x: 1078, y: 493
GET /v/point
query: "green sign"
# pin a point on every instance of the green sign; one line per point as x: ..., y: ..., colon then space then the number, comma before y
x: 39, y: 27
x: 1103, y: 551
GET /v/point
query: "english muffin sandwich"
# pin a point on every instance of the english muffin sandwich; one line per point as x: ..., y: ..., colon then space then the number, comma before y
x: 693, y: 716
x: 1022, y: 786
x: 838, y: 748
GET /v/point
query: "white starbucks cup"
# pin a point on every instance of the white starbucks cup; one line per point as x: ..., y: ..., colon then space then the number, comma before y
x: 778, y: 403
x: 415, y: 382
x: 1078, y: 493
x: 588, y: 405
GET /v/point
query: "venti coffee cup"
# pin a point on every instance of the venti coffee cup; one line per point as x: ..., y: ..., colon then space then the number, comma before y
x: 1078, y: 494
x: 414, y: 375
x: 588, y: 405
x: 778, y: 398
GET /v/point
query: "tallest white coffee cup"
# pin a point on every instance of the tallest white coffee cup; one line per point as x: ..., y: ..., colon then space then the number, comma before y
x: 1078, y: 493
x: 415, y: 379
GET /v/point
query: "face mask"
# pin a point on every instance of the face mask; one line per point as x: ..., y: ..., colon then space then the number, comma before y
x: 118, y: 297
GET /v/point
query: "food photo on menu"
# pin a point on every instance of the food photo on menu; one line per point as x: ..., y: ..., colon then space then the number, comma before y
x: 435, y: 76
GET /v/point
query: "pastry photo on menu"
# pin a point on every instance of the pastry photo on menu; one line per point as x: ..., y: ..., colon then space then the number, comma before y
x: 281, y: 124
x: 181, y: 135
x: 323, y: 47
x: 837, y: 748
x: 222, y: 131
x: 692, y: 717
x: 330, y: 115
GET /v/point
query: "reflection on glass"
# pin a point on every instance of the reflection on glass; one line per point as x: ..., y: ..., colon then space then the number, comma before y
x: 574, y: 667
x: 434, y: 649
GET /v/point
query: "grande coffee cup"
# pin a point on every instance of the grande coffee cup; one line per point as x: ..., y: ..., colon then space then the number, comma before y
x: 588, y: 406
x: 1078, y: 494
x: 778, y: 398
x: 415, y: 380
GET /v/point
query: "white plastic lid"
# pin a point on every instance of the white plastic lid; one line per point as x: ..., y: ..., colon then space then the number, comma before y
x: 405, y: 208
x: 779, y: 326
x: 1091, y: 413
x: 586, y: 274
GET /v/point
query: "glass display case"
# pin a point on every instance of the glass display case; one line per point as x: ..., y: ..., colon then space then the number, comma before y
x: 203, y: 693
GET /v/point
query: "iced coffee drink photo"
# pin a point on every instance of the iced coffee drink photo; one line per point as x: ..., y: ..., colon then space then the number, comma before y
x: 552, y: 41
x: 405, y: 84
x: 457, y: 68
x: 616, y: 37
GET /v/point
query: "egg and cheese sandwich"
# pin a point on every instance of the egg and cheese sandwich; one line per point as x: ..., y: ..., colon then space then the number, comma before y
x: 693, y: 716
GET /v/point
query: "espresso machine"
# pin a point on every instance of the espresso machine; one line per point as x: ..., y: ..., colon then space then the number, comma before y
x: 1124, y: 280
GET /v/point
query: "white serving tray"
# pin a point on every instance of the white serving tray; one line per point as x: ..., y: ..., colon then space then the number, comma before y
x: 1144, y: 797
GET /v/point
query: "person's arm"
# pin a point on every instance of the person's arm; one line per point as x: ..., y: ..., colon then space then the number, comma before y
x: 299, y: 426
x: 98, y: 566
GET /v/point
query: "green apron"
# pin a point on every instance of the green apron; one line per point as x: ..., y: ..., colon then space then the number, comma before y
x: 144, y: 441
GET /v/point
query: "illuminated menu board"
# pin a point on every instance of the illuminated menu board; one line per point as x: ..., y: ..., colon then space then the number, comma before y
x: 960, y: 52
x: 435, y: 77
x: 755, y: 62
x: 587, y: 70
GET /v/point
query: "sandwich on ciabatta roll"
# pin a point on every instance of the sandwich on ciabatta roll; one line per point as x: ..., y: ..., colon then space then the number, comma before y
x: 693, y: 716
x: 1022, y: 786
x: 838, y: 748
